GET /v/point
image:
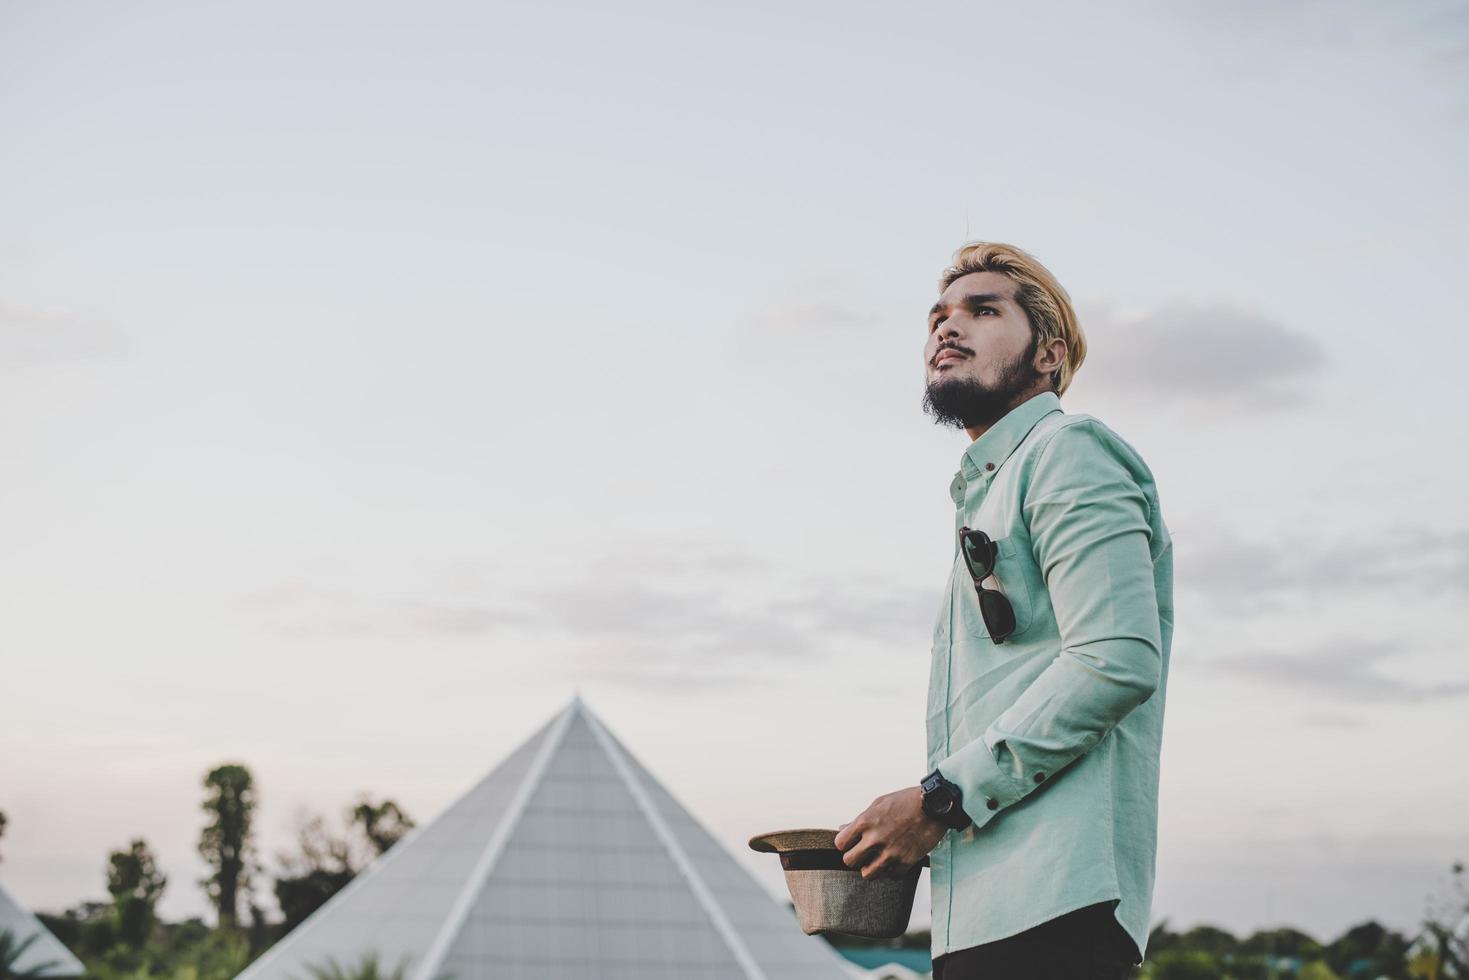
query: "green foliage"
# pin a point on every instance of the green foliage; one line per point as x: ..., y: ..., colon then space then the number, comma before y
x: 87, y: 929
x: 367, y: 968
x: 1182, y: 964
x: 1446, y: 930
x: 1281, y: 942
x: 123, y: 939
x: 12, y: 950
x: 300, y: 895
x: 1365, y: 952
x: 221, y: 956
x: 1369, y: 950
x: 325, y: 862
x: 1209, y: 939
x: 227, y: 842
x: 180, y: 951
x: 383, y: 824
x: 136, y: 885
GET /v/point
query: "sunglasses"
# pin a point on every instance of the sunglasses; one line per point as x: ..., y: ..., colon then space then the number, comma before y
x: 980, y: 553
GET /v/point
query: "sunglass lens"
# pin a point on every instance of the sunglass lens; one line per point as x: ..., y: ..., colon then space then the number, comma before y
x: 999, y: 615
x: 978, y: 554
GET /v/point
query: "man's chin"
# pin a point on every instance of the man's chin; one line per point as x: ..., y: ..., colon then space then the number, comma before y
x: 962, y: 403
x: 943, y: 413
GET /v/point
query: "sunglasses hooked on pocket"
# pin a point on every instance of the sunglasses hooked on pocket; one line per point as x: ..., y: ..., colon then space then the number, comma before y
x: 980, y: 556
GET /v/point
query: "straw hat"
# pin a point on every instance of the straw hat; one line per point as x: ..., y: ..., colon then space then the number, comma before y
x: 831, y: 897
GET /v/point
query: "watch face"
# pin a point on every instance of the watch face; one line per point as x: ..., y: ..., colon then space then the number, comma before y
x: 938, y: 801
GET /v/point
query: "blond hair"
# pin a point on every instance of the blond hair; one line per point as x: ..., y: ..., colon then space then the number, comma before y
x: 1037, y: 292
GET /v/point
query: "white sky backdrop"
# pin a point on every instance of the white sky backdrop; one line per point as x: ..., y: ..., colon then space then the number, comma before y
x: 373, y: 376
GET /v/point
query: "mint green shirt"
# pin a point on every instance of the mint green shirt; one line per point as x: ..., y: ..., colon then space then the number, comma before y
x: 1053, y: 735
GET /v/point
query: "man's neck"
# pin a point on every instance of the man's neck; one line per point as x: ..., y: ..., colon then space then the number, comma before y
x: 975, y: 431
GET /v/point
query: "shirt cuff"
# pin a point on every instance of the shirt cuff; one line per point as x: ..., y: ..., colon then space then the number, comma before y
x: 985, y: 787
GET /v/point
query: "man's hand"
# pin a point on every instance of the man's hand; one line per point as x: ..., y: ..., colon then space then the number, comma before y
x: 891, y: 836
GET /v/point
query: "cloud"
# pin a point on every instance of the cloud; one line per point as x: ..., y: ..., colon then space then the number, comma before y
x: 885, y: 612
x: 30, y: 335
x: 1450, y: 62
x: 814, y: 317
x: 1254, y: 39
x: 809, y: 619
x: 1282, y: 26
x: 816, y: 307
x: 1345, y: 671
x: 1205, y: 353
x: 1333, y: 719
x: 646, y: 619
x: 1421, y: 561
x: 296, y: 610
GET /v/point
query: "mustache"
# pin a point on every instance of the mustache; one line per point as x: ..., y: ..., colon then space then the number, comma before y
x: 953, y: 347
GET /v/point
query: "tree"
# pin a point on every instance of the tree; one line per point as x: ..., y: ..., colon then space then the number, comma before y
x: 135, y: 883
x: 227, y: 842
x: 1446, y: 929
x: 322, y: 867
x: 1161, y: 939
x: 1182, y: 964
x: 2, y: 823
x: 383, y: 824
x: 1369, y: 949
x: 1210, y: 939
x: 88, y: 929
x: 327, y: 861
x: 1281, y: 942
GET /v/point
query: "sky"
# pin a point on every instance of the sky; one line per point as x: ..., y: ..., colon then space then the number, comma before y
x: 375, y: 376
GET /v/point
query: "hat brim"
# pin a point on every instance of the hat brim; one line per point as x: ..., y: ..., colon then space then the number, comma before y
x: 803, y: 839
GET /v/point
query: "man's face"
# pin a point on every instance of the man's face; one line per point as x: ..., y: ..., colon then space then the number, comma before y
x: 979, y: 352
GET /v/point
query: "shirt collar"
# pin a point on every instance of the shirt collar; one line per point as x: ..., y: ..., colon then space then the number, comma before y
x: 984, y: 456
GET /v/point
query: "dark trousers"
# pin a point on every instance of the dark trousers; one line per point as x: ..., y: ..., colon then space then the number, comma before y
x: 1087, y: 944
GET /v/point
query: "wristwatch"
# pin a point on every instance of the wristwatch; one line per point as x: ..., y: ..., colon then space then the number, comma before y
x: 942, y: 799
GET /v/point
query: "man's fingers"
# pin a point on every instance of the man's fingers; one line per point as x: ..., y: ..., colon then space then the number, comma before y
x: 877, y: 866
x: 862, y: 852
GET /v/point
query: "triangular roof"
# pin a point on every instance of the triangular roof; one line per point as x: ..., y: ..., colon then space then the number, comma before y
x: 45, y: 948
x: 569, y: 860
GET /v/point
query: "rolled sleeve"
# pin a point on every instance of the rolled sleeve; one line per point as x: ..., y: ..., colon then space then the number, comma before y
x: 1089, y: 525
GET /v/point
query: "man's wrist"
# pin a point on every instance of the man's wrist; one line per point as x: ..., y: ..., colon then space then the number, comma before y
x: 943, y: 801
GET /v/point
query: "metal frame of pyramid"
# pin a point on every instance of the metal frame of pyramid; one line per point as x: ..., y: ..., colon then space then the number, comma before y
x: 568, y: 861
x: 45, y: 948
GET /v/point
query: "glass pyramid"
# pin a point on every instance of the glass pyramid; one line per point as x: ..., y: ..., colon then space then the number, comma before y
x: 568, y: 861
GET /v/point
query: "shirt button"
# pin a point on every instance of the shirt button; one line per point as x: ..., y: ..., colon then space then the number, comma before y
x: 992, y: 804
x: 1040, y: 777
x: 989, y: 466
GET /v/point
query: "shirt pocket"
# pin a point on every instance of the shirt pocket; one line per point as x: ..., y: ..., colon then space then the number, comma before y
x: 1008, y: 578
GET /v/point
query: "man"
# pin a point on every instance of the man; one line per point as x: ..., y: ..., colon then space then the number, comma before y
x: 1050, y: 654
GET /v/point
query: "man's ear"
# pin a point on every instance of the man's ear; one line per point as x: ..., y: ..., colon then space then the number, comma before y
x: 1051, y: 356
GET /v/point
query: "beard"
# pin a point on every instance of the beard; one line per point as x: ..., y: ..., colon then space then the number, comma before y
x: 964, y: 403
